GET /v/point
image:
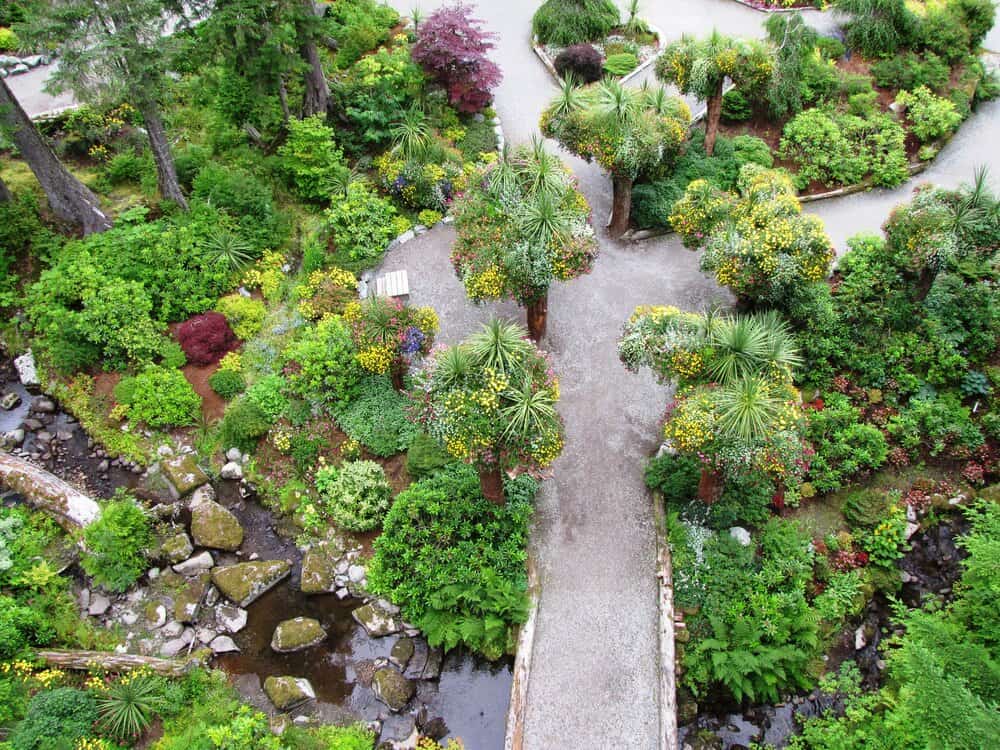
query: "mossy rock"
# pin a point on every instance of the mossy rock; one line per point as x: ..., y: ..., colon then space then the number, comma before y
x: 319, y: 567
x: 297, y: 634
x: 215, y: 527
x: 243, y: 583
x: 392, y: 688
x: 177, y: 547
x: 182, y: 474
x: 991, y: 493
x: 187, y: 600
x: 288, y: 692
x: 402, y: 652
x: 376, y: 621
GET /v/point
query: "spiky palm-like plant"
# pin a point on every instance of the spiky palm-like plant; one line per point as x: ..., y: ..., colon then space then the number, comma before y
x: 227, y: 249
x: 500, y: 345
x: 411, y: 136
x: 128, y: 707
x: 748, y: 408
x: 751, y: 344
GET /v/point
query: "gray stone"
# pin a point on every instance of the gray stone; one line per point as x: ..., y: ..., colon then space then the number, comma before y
x: 356, y: 573
x: 231, y: 470
x: 43, y: 405
x: 32, y: 61
x: 187, y: 601
x: 243, y: 583
x: 172, y: 629
x: 177, y: 548
x: 376, y: 622
x: 392, y: 688
x: 13, y: 438
x: 223, y: 644
x: 129, y: 618
x: 205, y: 635
x: 402, y: 652
x: 319, y: 567
x: 214, y: 526
x: 288, y: 692
x: 297, y: 634
x: 194, y: 565
x: 44, y: 437
x: 183, y: 475
x: 203, y: 494
x: 211, y: 596
x: 173, y: 647
x: 741, y: 535
x: 432, y: 667
x: 19, y: 69
x: 232, y: 619
x: 157, y: 616
x: 10, y: 400
x: 234, y: 454
x: 99, y: 604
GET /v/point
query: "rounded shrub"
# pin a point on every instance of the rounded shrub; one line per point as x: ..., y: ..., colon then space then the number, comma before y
x: 117, y: 544
x: 57, y: 718
x: 206, y: 338
x: 227, y: 383
x: 8, y: 40
x: 243, y: 424
x: 158, y: 397
x: 566, y: 22
x: 621, y: 64
x: 583, y: 62
x: 356, y: 496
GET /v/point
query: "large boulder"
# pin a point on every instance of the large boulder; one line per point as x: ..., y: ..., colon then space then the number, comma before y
x: 392, y: 688
x: 297, y: 634
x: 319, y: 567
x: 177, y: 547
x: 288, y: 692
x: 376, y: 620
x: 187, y: 601
x: 183, y: 474
x: 243, y: 583
x: 214, y: 526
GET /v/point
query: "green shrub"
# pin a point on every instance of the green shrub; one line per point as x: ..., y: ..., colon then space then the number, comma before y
x: 356, y: 495
x: 159, y: 397
x: 8, y: 40
x: 428, y: 217
x: 321, y: 365
x: 479, y: 138
x: 243, y: 425
x: 425, y: 456
x: 189, y: 160
x: 909, y: 70
x: 245, y: 315
x: 930, y: 116
x: 356, y: 737
x: 621, y: 64
x: 359, y: 27
x: 943, y: 31
x: 117, y: 544
x: 455, y: 562
x: 862, y: 105
x: 234, y: 190
x: 268, y: 395
x: 20, y: 627
x: 877, y: 27
x: 940, y: 424
x: 377, y: 418
x: 227, y: 383
x: 675, y: 476
x: 56, y: 719
x: 127, y: 166
x: 843, y: 444
x: 311, y: 159
x: 866, y: 508
x: 830, y: 47
x: 736, y: 107
x: 567, y: 22
x: 360, y: 225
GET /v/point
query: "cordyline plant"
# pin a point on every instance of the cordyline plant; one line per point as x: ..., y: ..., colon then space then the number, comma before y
x: 389, y: 335
x: 451, y: 47
x: 491, y: 402
x: 521, y: 226
x: 628, y: 131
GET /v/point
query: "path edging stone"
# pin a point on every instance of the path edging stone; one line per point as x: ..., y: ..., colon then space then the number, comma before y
x: 514, y: 737
x: 665, y: 604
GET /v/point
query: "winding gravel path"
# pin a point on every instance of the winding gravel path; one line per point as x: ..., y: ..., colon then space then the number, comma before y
x: 593, y: 682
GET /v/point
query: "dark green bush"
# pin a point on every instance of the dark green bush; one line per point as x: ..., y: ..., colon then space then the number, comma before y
x: 20, y: 627
x: 321, y: 366
x: 189, y: 161
x: 358, y: 27
x: 566, y: 22
x: 377, y: 418
x: 844, y: 445
x: 736, y: 107
x: 455, y: 562
x: 247, y: 199
x: 227, y: 383
x: 117, y: 544
x: 425, y: 456
x: 56, y: 720
x: 243, y: 425
x: 910, y: 70
x: 942, y: 30
x: 866, y: 508
x: 877, y: 27
x: 676, y: 477
x: 159, y: 398
x: 830, y: 47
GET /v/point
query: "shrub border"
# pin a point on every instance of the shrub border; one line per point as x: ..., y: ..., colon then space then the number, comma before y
x: 549, y: 63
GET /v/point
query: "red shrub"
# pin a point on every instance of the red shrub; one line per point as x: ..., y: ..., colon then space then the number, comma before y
x: 582, y: 61
x: 206, y: 338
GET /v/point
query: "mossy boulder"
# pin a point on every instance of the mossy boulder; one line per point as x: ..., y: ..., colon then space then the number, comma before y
x: 288, y: 692
x: 215, y: 527
x: 376, y: 621
x: 402, y: 652
x: 187, y: 600
x: 183, y: 474
x: 297, y: 634
x: 319, y: 567
x: 177, y: 547
x: 991, y: 493
x: 243, y: 583
x: 392, y: 688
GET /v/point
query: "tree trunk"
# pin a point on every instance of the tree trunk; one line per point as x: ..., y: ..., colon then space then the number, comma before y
x: 316, y: 94
x: 4, y: 192
x: 68, y: 198
x: 491, y: 484
x: 88, y: 661
x: 70, y: 508
x: 621, y: 205
x: 398, y: 372
x: 538, y: 313
x: 709, y: 486
x: 712, y: 114
x: 166, y: 173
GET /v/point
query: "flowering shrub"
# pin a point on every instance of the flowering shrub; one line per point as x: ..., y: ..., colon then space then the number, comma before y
x: 884, y: 543
x: 206, y: 338
x: 451, y: 47
x: 356, y: 496
x: 420, y: 183
x: 326, y: 292
x: 757, y: 243
x: 245, y: 315
x: 321, y: 364
x: 388, y: 334
x: 266, y: 274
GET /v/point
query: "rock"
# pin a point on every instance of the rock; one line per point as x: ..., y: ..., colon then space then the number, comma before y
x: 244, y: 582
x: 43, y: 405
x: 233, y: 619
x: 31, y: 425
x: 297, y: 634
x: 177, y: 547
x: 741, y: 535
x: 402, y: 652
x: 376, y: 622
x: 231, y: 470
x: 214, y: 526
x: 211, y: 596
x: 392, y: 688
x: 19, y: 69
x: 194, y: 565
x: 436, y: 728
x: 156, y: 615
x: 343, y: 594
x: 32, y: 61
x: 860, y: 640
x: 223, y: 644
x: 432, y: 667
x: 991, y: 493
x: 187, y: 601
x: 288, y: 692
x: 172, y: 629
x: 356, y: 573
x: 103, y: 466
x: 911, y: 529
x: 182, y: 474
x: 12, y: 439
x: 130, y: 618
x: 64, y: 436
x: 10, y: 400
x: 234, y: 454
x: 205, y: 635
x: 99, y: 604
x: 205, y: 493
x: 44, y: 437
x: 173, y: 647
x: 319, y: 568
x: 27, y: 373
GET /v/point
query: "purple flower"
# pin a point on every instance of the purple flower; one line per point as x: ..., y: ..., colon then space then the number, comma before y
x: 413, y: 339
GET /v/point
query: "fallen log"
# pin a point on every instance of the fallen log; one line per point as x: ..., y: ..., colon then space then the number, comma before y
x: 106, y: 661
x: 67, y: 505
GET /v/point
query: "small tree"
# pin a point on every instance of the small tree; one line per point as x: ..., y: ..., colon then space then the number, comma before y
x: 877, y: 27
x: 628, y: 131
x: 520, y: 227
x: 758, y: 243
x: 491, y: 402
x: 701, y: 67
x: 113, y: 51
x: 793, y: 42
x: 389, y: 335
x: 68, y: 198
x: 451, y: 47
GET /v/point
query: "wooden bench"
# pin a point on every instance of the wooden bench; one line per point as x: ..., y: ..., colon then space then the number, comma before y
x: 393, y: 284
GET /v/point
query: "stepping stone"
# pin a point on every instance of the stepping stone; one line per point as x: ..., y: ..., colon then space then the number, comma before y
x: 297, y: 634
x: 288, y: 692
x: 376, y: 621
x: 392, y: 688
x: 214, y: 526
x: 244, y: 583
x: 183, y: 474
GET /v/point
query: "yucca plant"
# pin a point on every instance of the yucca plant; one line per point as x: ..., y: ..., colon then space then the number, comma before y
x: 224, y: 248
x: 500, y: 345
x: 530, y: 411
x: 748, y: 408
x: 411, y: 136
x: 129, y: 705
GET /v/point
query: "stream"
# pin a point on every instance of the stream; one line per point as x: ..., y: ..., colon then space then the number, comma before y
x: 458, y: 695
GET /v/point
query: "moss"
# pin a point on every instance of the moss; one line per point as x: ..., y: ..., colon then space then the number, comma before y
x: 297, y: 634
x: 214, y: 526
x: 288, y: 692
x: 245, y: 582
x: 183, y: 473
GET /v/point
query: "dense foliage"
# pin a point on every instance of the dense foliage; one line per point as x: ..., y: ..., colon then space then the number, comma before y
x: 118, y: 544
x: 568, y: 22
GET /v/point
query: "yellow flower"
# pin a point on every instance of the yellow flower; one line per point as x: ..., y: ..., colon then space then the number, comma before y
x: 377, y: 359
